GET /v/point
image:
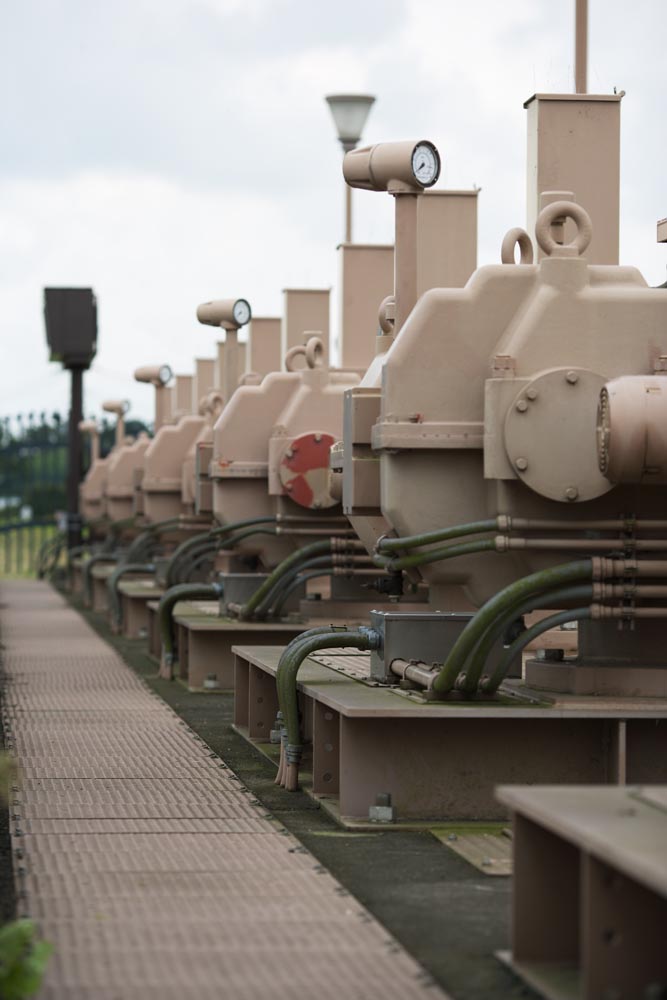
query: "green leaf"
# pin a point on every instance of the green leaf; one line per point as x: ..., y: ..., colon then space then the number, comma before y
x: 15, y: 939
x: 22, y: 960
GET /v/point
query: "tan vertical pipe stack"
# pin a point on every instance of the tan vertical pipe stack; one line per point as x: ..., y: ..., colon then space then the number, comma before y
x: 348, y: 214
x: 203, y: 381
x: 230, y: 315
x: 94, y: 445
x: 220, y: 366
x: 162, y: 406
x: 231, y: 375
x: 264, y: 345
x: 158, y: 376
x: 119, y: 407
x: 170, y: 404
x: 574, y: 145
x: 405, y: 256
x: 581, y: 47
x: 436, y: 244
x: 366, y: 279
x: 182, y: 397
x: 90, y: 427
x: 304, y: 309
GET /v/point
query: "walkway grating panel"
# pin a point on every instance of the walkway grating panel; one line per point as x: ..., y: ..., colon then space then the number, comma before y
x: 146, y: 862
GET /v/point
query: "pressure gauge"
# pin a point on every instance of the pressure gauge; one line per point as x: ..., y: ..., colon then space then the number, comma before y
x: 164, y: 374
x: 425, y: 163
x: 241, y: 312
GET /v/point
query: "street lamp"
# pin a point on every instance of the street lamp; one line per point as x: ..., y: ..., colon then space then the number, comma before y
x: 70, y: 316
x: 349, y: 112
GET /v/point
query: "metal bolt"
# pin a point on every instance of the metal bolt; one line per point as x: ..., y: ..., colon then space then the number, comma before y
x: 531, y: 393
x: 289, y: 453
x: 289, y: 487
x: 571, y: 493
x: 522, y: 406
x: 318, y: 438
x: 572, y: 378
x: 521, y: 464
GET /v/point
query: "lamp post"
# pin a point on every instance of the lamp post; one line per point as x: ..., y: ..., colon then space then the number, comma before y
x: 70, y: 315
x: 349, y: 112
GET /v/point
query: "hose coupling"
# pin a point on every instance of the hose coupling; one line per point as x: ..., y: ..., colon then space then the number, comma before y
x: 372, y: 635
x: 627, y: 591
x: 278, y: 729
x: 294, y: 753
x: 502, y: 543
x: 611, y: 569
x: 603, y: 611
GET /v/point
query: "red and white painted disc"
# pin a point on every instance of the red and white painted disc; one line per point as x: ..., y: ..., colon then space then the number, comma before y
x: 304, y: 470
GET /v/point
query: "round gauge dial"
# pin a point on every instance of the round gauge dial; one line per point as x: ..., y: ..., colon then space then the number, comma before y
x: 164, y: 374
x: 425, y: 163
x: 241, y: 312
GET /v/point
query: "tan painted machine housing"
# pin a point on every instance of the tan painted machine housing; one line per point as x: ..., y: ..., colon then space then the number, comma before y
x: 506, y: 423
x: 127, y: 460
x: 436, y: 243
x: 120, y: 469
x: 262, y: 435
x: 163, y: 464
x: 92, y: 491
x: 92, y: 502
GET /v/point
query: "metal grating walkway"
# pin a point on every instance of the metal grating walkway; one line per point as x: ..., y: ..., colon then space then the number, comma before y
x: 144, y: 859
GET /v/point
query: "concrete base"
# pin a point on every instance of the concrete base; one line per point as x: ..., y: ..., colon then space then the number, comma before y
x: 623, y: 681
x: 204, y: 644
x: 442, y: 761
x: 154, y: 639
x: 134, y: 598
x: 589, y: 901
x: 100, y: 595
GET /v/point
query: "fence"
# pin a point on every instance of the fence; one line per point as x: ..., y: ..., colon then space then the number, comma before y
x: 33, y: 475
x: 33, y: 470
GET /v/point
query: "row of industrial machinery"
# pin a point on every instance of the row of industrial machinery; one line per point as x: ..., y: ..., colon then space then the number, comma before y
x: 441, y: 565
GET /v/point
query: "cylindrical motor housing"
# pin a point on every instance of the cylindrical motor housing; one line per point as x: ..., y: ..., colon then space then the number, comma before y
x: 632, y: 429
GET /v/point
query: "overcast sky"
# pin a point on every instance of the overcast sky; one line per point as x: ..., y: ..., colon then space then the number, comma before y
x: 166, y: 152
